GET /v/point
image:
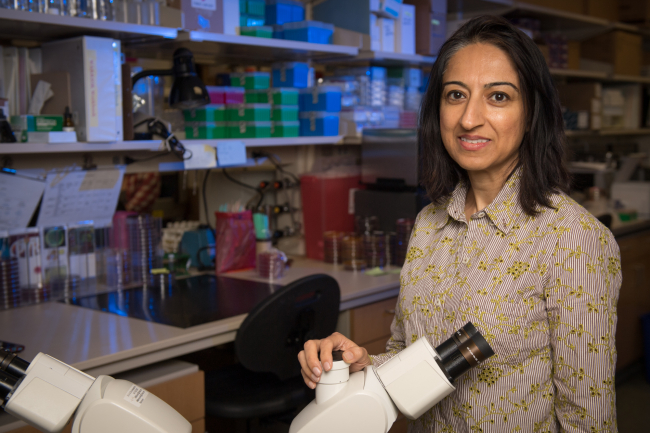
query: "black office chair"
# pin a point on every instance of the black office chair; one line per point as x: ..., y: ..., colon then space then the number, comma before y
x: 267, y: 381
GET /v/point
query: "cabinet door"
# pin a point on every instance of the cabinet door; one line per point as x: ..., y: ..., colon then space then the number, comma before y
x: 372, y: 322
x: 634, y: 298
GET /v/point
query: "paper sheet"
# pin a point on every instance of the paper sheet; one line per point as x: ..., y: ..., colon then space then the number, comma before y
x: 19, y: 197
x: 80, y: 195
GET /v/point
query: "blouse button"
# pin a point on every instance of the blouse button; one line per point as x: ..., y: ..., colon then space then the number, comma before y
x: 465, y: 260
x: 481, y: 214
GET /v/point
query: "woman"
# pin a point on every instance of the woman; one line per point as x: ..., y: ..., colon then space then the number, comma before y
x: 504, y: 247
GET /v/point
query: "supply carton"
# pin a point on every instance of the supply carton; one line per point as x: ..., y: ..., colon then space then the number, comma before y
x: 405, y: 30
x: 621, y: 49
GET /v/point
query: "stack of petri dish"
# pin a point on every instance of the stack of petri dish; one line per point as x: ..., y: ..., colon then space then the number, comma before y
x: 9, y: 286
x: 404, y: 229
x: 378, y: 248
x: 366, y: 224
x: 271, y: 264
x: 352, y: 253
x: 332, y: 246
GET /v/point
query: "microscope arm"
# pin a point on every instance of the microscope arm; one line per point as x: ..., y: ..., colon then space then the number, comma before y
x: 50, y: 393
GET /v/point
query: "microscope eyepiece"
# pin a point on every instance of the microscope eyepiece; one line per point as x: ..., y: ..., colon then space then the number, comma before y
x: 12, y: 364
x: 465, y: 349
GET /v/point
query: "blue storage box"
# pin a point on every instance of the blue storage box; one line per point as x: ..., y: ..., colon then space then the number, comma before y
x: 284, y: 11
x: 319, y: 123
x: 309, y: 31
x: 278, y: 31
x: 250, y: 21
x: 291, y: 74
x: 321, y: 98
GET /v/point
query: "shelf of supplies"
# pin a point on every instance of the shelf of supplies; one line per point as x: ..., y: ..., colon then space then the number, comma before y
x: 629, y: 79
x: 154, y: 145
x: 254, y: 49
x: 576, y: 73
x: 386, y: 58
x: 41, y: 27
x: 638, y: 131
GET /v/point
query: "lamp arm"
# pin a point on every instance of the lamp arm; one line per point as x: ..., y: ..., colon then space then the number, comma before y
x: 154, y: 72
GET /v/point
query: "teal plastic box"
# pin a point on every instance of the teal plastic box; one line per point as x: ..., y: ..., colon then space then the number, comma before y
x: 288, y: 113
x: 209, y: 113
x: 285, y: 129
x: 260, y: 96
x: 203, y: 130
x: 249, y: 129
x: 257, y: 31
x: 249, y: 112
x: 257, y: 80
x: 284, y: 96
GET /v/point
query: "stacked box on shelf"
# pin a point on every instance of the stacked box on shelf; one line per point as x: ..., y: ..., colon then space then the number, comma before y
x: 287, y: 78
x: 291, y: 74
x: 257, y: 31
x: 309, y: 31
x: 249, y: 112
x: 257, y: 129
x: 206, y: 122
x: 284, y: 11
x: 252, y: 13
x: 320, y: 108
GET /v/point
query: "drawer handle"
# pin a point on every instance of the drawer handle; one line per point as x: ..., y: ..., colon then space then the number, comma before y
x: 389, y: 311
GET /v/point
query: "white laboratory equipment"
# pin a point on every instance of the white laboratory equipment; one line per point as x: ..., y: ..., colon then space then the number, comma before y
x: 48, y: 393
x: 413, y: 381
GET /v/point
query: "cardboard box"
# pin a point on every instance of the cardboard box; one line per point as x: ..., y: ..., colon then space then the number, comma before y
x: 405, y: 30
x: 621, y: 49
x: 348, y: 38
x: 634, y: 11
x: 217, y: 16
x: 94, y: 66
x: 573, y: 58
x: 583, y: 97
x: 575, y: 6
x: 606, y: 9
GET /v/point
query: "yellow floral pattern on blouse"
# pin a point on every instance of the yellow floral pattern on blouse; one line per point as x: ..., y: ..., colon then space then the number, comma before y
x: 542, y: 290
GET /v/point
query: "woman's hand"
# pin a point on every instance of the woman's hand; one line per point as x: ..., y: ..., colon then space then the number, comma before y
x: 312, y: 367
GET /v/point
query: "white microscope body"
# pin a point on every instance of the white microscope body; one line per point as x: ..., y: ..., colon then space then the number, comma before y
x: 411, y: 382
x: 50, y: 393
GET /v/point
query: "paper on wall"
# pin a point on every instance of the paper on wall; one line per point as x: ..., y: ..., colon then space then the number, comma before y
x: 19, y: 197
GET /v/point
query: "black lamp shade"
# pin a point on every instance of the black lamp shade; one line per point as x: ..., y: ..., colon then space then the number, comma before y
x: 188, y: 90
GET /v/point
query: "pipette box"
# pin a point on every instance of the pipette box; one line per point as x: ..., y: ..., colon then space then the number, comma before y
x: 258, y: 96
x: 284, y: 11
x: 257, y: 31
x: 284, y: 96
x: 285, y: 129
x: 234, y: 95
x: 257, y: 80
x: 249, y: 129
x: 208, y: 113
x: 217, y: 94
x: 249, y: 112
x: 319, y: 123
x: 278, y: 31
x: 256, y: 7
x: 321, y: 98
x: 238, y: 79
x: 288, y: 113
x: 250, y: 21
x: 291, y: 74
x: 309, y: 31
x: 206, y: 130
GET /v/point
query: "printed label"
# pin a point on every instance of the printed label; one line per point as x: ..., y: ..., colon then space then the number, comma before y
x: 91, y: 73
x: 136, y: 395
x: 208, y: 5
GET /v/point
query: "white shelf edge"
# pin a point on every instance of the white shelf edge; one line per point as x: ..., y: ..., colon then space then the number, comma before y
x: 89, y: 24
x: 196, y: 36
x: 154, y: 145
x: 397, y: 57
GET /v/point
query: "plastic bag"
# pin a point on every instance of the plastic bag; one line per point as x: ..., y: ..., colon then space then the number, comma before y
x: 235, y: 241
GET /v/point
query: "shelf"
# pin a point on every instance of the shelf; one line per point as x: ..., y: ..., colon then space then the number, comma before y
x: 252, y: 49
x: 385, y: 58
x: 575, y: 73
x: 154, y: 145
x: 43, y: 27
x: 607, y: 132
x: 629, y: 79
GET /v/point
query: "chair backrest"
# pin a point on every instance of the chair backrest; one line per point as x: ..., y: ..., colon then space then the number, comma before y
x: 275, y: 330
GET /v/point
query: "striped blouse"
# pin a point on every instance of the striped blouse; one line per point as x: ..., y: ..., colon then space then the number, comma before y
x: 542, y: 290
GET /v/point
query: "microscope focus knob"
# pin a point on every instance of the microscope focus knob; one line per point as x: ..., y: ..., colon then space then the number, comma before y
x: 333, y: 381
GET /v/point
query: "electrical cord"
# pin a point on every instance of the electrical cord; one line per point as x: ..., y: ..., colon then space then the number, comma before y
x: 205, y: 202
x: 174, y: 146
x: 275, y: 161
x: 257, y: 190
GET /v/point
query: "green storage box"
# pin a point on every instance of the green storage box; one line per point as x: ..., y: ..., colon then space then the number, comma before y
x: 257, y: 97
x: 208, y: 113
x: 249, y: 112
x: 258, y: 31
x: 206, y: 130
x: 237, y: 79
x: 258, y: 80
x: 285, y: 113
x: 256, y: 7
x: 285, y: 129
x: 242, y: 6
x: 284, y: 96
x: 40, y: 123
x: 249, y: 129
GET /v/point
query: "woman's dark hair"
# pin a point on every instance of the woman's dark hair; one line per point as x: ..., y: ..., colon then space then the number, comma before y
x: 542, y: 151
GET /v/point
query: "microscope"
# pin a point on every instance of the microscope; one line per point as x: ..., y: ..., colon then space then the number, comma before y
x: 47, y: 393
x: 413, y: 381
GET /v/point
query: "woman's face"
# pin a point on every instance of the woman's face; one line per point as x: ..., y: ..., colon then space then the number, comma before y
x: 482, y: 110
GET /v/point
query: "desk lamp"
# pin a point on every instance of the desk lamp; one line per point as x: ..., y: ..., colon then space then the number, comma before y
x: 413, y: 381
x: 188, y: 91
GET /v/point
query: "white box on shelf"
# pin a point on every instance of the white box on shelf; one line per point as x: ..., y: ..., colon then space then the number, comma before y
x: 52, y: 137
x: 375, y: 33
x: 94, y: 65
x: 405, y: 30
x: 387, y: 27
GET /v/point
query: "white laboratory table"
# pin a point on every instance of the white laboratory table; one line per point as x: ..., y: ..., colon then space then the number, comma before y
x: 105, y: 343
